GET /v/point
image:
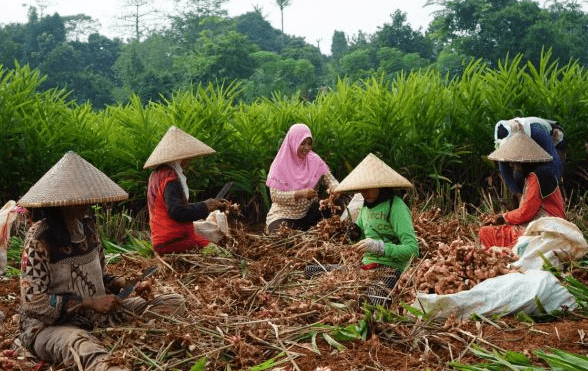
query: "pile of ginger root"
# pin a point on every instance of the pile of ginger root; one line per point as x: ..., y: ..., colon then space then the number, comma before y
x: 454, y: 268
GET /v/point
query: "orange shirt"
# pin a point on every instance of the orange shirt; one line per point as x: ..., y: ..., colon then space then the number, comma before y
x: 532, y: 205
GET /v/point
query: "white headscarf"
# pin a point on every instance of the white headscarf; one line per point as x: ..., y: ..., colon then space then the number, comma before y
x: 176, y: 165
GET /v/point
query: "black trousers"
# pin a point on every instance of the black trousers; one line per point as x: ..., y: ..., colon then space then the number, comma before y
x: 312, y: 217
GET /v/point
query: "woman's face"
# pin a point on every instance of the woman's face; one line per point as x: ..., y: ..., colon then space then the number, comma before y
x: 304, y: 148
x: 371, y: 194
x: 517, y: 169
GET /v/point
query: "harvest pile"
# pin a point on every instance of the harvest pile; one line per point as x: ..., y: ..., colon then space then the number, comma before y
x: 247, y: 302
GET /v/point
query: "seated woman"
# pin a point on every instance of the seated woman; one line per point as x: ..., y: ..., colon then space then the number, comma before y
x: 293, y: 181
x: 171, y: 215
x: 530, y: 170
x: 66, y: 290
x: 385, y: 224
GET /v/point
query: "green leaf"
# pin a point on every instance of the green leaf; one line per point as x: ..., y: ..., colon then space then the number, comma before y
x: 332, y: 342
x: 269, y: 363
x: 200, y: 365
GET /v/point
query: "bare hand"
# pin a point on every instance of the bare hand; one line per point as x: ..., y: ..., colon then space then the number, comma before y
x: 116, y: 284
x: 332, y: 194
x: 102, y: 304
x: 309, y: 194
x: 495, y: 220
x: 216, y: 204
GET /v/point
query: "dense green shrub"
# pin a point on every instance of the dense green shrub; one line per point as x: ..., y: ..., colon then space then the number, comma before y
x: 433, y: 129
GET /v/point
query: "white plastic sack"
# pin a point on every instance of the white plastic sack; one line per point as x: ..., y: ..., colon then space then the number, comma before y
x: 352, y: 209
x: 506, y: 294
x: 214, y: 227
x: 7, y: 217
x: 557, y: 239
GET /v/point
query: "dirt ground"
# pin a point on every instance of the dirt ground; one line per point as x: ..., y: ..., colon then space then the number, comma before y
x: 248, y: 302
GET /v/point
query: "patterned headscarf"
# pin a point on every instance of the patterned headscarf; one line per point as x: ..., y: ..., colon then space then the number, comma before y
x: 290, y: 172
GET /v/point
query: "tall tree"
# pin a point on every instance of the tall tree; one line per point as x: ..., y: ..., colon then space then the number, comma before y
x: 140, y: 16
x: 259, y: 31
x: 282, y: 4
x: 339, y: 44
x: 79, y: 27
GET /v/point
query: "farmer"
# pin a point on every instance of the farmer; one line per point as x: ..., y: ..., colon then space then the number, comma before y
x: 65, y: 288
x: 385, y: 226
x: 547, y: 133
x: 293, y: 181
x: 531, y: 171
x: 171, y: 215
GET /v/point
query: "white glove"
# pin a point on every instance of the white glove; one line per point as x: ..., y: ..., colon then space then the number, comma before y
x: 371, y: 245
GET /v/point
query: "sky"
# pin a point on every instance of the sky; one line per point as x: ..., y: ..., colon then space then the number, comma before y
x: 315, y: 20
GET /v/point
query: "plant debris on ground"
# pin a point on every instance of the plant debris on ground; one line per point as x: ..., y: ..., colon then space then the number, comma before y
x: 249, y: 307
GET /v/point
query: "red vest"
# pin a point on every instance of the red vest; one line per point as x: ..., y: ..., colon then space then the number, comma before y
x: 168, y: 235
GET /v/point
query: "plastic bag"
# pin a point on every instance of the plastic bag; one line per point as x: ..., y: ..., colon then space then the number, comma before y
x: 352, y: 209
x: 507, y: 294
x: 214, y: 227
x: 7, y: 217
x: 558, y: 240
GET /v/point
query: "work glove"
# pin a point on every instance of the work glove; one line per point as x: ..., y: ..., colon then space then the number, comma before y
x: 371, y: 245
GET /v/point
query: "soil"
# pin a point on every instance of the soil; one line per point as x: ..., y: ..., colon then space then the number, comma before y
x: 248, y: 302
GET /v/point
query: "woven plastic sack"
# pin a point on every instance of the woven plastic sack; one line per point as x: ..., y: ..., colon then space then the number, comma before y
x: 558, y: 240
x: 506, y: 294
x: 214, y: 227
x: 352, y: 209
x: 7, y: 217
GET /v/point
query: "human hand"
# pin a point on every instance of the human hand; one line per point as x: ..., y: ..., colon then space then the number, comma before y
x: 116, y: 284
x: 354, y: 232
x: 216, y: 204
x: 495, y: 220
x: 332, y: 194
x: 371, y: 245
x: 102, y: 304
x: 309, y: 194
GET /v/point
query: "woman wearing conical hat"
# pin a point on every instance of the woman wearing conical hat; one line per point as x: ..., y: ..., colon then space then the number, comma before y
x: 530, y: 168
x: 65, y: 287
x: 386, y: 233
x: 171, y: 214
x: 547, y: 133
x: 293, y: 180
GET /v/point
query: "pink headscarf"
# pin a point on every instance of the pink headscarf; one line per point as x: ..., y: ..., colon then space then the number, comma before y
x: 288, y: 171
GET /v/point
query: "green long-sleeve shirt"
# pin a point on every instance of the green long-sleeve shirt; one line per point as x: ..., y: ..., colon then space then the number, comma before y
x: 393, y: 225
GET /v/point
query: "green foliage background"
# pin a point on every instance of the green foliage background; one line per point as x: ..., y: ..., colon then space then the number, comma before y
x: 434, y: 130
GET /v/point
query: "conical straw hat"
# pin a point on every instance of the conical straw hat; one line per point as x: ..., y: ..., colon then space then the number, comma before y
x: 72, y: 181
x: 520, y: 147
x: 176, y: 145
x: 372, y: 173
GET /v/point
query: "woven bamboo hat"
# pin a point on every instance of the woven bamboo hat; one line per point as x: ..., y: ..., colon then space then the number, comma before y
x: 372, y: 173
x: 519, y: 147
x: 72, y: 181
x: 176, y: 145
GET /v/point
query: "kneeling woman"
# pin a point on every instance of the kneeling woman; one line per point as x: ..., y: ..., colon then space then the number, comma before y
x: 384, y: 222
x: 293, y: 182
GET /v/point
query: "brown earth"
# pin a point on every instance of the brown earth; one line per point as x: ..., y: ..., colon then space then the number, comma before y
x: 248, y: 302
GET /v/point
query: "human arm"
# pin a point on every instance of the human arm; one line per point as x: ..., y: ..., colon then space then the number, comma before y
x: 401, y: 221
x: 394, y: 239
x: 529, y: 205
x: 330, y: 182
x: 177, y: 207
x: 290, y: 198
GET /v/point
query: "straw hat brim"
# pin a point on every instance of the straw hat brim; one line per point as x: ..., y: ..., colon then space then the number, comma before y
x: 176, y: 145
x: 72, y: 181
x: 372, y: 173
x: 520, y: 148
